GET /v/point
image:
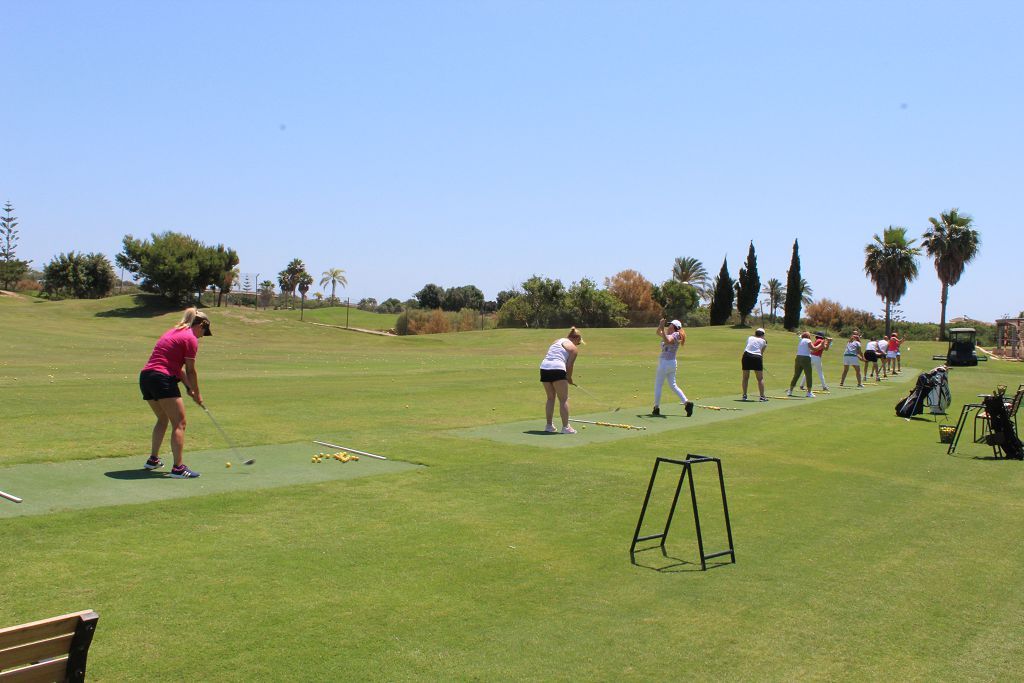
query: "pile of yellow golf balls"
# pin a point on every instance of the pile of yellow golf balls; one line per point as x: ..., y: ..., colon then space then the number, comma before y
x: 340, y: 456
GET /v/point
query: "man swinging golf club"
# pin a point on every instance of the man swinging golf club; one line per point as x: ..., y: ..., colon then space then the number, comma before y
x: 672, y: 337
x: 174, y: 351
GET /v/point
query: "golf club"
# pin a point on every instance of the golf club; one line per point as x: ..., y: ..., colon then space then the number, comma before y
x: 13, y: 499
x: 216, y: 424
x: 349, y: 450
x: 226, y: 439
x: 615, y: 410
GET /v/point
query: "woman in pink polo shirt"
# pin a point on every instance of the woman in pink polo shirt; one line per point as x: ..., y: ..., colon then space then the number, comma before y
x: 174, y: 351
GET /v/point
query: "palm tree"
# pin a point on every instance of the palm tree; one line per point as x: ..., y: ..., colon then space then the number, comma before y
x: 953, y: 243
x: 266, y: 294
x: 227, y: 280
x: 891, y: 263
x: 334, y: 277
x: 303, y: 281
x: 775, y: 293
x: 690, y: 271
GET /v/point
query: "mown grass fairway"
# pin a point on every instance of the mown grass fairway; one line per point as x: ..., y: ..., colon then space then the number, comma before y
x: 864, y: 552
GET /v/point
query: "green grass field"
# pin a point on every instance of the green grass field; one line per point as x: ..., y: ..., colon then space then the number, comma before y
x: 864, y: 552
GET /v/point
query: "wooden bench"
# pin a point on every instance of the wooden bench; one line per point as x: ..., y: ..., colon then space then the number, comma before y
x: 48, y: 650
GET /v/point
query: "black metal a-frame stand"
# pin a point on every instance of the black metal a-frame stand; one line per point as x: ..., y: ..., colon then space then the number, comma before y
x: 687, y: 466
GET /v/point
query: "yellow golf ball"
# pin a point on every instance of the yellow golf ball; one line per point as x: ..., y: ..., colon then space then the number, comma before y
x: 227, y: 464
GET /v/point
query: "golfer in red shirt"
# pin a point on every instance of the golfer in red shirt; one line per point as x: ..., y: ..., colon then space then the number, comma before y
x: 174, y: 353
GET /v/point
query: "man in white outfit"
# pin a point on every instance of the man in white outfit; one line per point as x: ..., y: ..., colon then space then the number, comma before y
x: 672, y: 337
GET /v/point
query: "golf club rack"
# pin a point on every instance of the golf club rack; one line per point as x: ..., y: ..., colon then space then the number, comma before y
x: 687, y: 469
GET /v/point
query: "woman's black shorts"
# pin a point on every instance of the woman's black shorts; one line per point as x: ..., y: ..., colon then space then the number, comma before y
x: 552, y: 375
x: 752, y: 362
x: 871, y: 356
x: 156, y: 385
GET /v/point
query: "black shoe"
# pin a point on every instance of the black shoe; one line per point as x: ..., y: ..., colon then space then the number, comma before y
x: 655, y: 411
x: 689, y: 408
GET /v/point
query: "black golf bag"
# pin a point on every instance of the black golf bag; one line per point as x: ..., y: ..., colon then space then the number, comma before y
x: 913, y: 404
x: 931, y: 389
x: 1002, y: 431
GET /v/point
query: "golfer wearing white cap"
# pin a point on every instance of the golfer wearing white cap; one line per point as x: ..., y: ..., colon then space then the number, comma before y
x: 672, y: 337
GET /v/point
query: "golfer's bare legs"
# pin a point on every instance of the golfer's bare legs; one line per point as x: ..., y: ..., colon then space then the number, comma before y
x: 169, y: 411
x: 561, y: 389
x: 549, y: 406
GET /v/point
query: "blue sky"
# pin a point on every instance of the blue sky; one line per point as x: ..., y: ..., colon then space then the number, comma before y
x: 485, y: 142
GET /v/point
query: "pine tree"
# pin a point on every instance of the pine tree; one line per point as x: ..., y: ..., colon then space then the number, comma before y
x: 794, y: 292
x: 749, y: 286
x: 11, y: 268
x: 722, y: 297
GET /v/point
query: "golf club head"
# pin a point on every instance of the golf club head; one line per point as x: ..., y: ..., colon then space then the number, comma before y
x: 249, y: 462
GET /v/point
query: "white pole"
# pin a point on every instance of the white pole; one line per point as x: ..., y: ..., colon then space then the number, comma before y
x: 13, y: 499
x: 350, y: 450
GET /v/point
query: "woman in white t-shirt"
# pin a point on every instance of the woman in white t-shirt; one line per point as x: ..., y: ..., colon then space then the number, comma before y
x: 556, y: 376
x: 802, y: 364
x: 753, y: 359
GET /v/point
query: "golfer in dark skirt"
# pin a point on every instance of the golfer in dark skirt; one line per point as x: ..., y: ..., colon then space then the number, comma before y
x: 173, y: 360
x: 753, y: 360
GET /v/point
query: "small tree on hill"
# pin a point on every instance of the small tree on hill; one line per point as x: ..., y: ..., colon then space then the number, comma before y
x: 794, y: 292
x: 11, y: 268
x: 748, y: 286
x: 722, y: 296
x: 333, y: 277
x: 174, y: 265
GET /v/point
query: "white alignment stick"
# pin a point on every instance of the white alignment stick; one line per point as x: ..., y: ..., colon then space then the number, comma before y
x: 350, y: 450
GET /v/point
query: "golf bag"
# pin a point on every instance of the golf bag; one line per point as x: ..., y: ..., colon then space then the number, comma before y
x: 1002, y: 433
x: 931, y: 389
x: 939, y: 397
x: 913, y: 404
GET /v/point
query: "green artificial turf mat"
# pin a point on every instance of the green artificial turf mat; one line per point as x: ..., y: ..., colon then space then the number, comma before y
x: 76, y: 484
x: 706, y: 411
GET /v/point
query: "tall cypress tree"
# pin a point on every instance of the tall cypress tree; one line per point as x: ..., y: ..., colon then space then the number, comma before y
x: 722, y: 297
x: 749, y: 286
x: 794, y: 292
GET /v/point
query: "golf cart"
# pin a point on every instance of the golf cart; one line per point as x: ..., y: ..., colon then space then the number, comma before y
x: 961, y: 347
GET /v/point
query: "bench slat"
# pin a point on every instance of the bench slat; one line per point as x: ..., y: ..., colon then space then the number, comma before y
x: 40, y: 630
x: 44, y: 672
x: 37, y: 651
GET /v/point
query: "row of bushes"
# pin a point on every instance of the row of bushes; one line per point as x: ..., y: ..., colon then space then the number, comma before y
x: 436, y: 321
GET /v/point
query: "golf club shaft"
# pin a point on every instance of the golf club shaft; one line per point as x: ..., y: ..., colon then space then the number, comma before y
x: 13, y: 499
x: 216, y: 424
x: 349, y: 450
x: 594, y: 397
x: 223, y: 434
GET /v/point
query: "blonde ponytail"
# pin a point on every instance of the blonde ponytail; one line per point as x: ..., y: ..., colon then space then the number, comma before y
x: 188, y: 318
